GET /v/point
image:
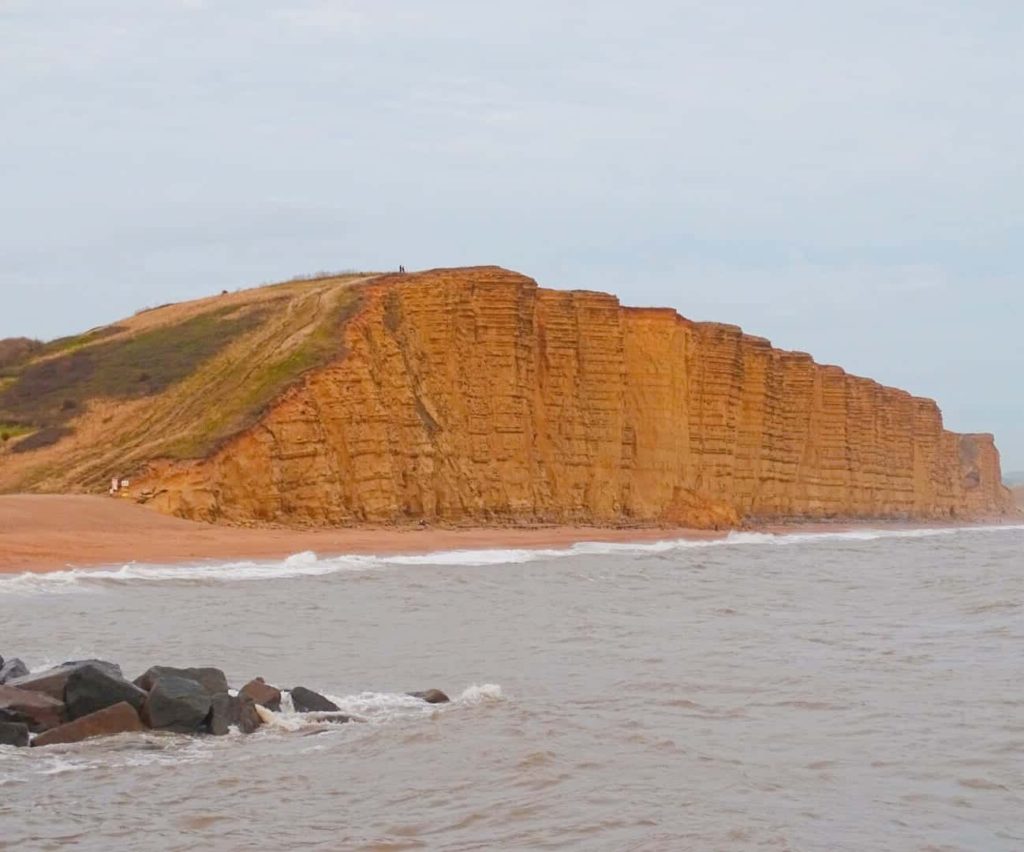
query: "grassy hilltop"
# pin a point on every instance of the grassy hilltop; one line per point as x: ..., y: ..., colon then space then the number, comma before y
x: 173, y: 381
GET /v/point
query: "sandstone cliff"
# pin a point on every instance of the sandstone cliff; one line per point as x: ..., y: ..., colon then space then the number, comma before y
x: 474, y: 395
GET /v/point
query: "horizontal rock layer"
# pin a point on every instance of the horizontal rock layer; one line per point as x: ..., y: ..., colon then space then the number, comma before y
x: 474, y: 395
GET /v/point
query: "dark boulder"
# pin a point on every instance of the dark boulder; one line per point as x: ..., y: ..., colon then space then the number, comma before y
x: 90, y: 689
x: 307, y: 701
x: 262, y: 693
x: 11, y: 669
x: 13, y: 734
x: 431, y: 696
x: 248, y: 719
x: 118, y: 719
x: 106, y: 665
x: 223, y: 708
x: 211, y: 679
x: 53, y: 681
x: 40, y: 712
x: 227, y: 710
x: 177, y: 704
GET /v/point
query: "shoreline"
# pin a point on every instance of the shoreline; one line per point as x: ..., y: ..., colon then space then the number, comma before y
x: 46, y: 533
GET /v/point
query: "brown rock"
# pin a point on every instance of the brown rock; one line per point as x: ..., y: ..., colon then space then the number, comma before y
x: 473, y: 394
x: 53, y: 681
x: 262, y: 693
x: 431, y: 696
x: 119, y: 719
x: 40, y: 712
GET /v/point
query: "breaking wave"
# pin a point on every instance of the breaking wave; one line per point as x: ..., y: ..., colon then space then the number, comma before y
x: 377, y: 707
x: 309, y: 564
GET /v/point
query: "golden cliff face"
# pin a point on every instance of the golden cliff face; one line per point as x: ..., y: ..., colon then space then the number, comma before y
x: 474, y: 395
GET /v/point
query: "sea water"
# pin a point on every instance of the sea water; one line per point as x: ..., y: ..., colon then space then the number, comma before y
x: 847, y: 691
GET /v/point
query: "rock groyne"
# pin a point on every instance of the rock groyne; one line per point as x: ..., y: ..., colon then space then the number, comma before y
x: 84, y: 699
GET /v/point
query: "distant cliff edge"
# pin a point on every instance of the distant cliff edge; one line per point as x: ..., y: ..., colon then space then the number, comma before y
x: 472, y: 395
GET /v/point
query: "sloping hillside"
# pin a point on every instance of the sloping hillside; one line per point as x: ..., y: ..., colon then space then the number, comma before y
x: 172, y: 382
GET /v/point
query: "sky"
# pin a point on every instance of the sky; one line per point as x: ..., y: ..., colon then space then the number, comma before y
x: 845, y: 179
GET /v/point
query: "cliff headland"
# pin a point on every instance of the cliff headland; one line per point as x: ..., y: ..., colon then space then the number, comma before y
x: 472, y: 396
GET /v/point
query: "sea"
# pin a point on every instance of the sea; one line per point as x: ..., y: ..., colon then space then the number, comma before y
x: 858, y: 690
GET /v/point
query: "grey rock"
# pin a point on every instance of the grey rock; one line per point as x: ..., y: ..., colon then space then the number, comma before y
x: 307, y: 701
x: 13, y: 734
x: 110, y: 668
x: 90, y: 689
x: 248, y: 719
x: 177, y: 704
x: 223, y: 708
x: 11, y: 669
x: 227, y: 710
x: 212, y: 680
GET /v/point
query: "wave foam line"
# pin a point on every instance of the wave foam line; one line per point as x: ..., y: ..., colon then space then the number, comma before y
x: 308, y: 564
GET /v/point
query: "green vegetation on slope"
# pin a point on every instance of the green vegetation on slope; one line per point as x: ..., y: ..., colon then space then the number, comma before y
x: 50, y: 391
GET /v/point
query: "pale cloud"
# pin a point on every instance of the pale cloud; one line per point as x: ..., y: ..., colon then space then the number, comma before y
x: 325, y: 15
x: 352, y: 17
x: 842, y: 178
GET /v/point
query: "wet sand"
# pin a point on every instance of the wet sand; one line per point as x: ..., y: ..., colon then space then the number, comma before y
x: 55, y: 532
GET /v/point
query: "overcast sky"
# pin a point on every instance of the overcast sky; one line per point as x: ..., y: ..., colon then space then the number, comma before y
x: 843, y: 178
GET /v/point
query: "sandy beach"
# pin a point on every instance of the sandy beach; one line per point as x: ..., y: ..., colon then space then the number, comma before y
x: 56, y: 532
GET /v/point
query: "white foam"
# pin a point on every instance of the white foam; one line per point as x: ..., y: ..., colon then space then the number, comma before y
x: 483, y: 694
x: 374, y: 708
x: 62, y: 765
x: 76, y: 579
x: 308, y: 564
